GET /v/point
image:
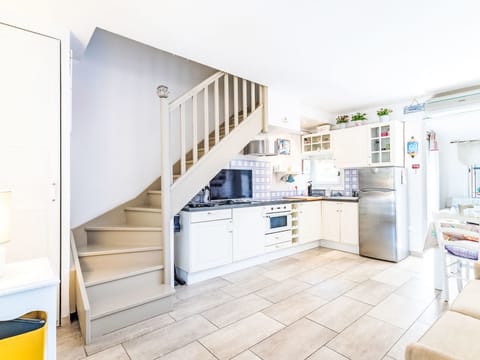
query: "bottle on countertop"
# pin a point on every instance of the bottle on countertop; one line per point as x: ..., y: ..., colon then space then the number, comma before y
x: 309, y: 188
x: 206, y: 194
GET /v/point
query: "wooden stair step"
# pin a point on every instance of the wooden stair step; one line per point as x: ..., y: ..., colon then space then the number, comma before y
x: 123, y: 235
x: 111, y: 249
x: 144, y: 216
x: 107, y: 306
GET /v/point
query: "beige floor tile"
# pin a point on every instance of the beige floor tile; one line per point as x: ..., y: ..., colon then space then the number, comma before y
x: 238, y: 337
x: 197, y: 304
x: 371, y: 292
x: 317, y: 275
x: 288, y: 271
x: 344, y: 263
x: 279, y: 264
x: 398, y: 310
x: 127, y: 333
x: 188, y: 291
x: 326, y: 354
x: 297, y: 341
x: 193, y: 351
x: 418, y: 289
x: 116, y: 352
x: 246, y: 355
x: 307, y: 254
x: 412, y: 335
x: 393, y: 276
x: 363, y: 271
x: 70, y: 343
x: 282, y: 290
x: 366, y: 339
x: 245, y: 274
x: 245, y: 287
x: 416, y: 264
x: 235, y: 310
x: 436, y: 308
x: 337, y: 254
x: 339, y: 313
x: 294, y: 308
x: 332, y: 288
x: 169, y: 338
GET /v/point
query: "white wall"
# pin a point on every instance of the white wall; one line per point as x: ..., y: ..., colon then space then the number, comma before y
x: 115, y: 150
x: 453, y: 161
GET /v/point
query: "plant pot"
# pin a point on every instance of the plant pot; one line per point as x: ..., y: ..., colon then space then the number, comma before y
x: 358, y: 122
x: 384, y: 118
x: 341, y: 126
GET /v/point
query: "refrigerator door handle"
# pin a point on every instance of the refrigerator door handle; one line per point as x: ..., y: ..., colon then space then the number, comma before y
x: 376, y: 190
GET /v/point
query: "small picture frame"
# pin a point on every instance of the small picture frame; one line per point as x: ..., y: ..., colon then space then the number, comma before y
x: 283, y: 146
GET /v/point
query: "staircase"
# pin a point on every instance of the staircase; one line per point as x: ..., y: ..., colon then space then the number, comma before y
x: 123, y: 259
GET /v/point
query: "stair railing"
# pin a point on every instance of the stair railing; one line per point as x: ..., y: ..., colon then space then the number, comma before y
x: 203, y: 110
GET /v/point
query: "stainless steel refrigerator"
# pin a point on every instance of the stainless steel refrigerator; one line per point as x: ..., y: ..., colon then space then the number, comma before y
x: 383, y: 213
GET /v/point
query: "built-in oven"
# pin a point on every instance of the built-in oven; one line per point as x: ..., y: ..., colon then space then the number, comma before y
x: 278, y: 226
x: 277, y: 218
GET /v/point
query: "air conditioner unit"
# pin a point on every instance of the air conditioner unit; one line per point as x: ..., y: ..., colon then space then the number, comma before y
x: 453, y: 102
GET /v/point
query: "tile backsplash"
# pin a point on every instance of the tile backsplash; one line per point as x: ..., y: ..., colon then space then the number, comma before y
x: 350, y: 181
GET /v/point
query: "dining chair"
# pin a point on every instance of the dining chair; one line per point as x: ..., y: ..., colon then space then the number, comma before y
x: 458, y: 239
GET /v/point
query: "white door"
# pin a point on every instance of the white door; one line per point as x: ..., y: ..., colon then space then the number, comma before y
x: 309, y: 221
x: 30, y: 142
x: 349, y: 223
x: 211, y: 244
x: 248, y: 232
x: 330, y: 221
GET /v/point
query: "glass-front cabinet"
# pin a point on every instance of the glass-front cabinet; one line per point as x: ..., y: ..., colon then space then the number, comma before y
x: 386, y: 144
x: 316, y: 143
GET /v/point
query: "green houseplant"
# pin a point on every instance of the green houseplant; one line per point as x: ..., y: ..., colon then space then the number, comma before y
x: 383, y: 113
x: 342, y: 121
x: 359, y: 117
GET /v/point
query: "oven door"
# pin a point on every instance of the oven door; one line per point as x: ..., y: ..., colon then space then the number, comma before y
x: 276, y: 222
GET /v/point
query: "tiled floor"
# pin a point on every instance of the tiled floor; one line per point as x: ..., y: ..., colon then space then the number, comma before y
x: 318, y: 304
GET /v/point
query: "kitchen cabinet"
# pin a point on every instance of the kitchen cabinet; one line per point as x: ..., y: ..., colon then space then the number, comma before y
x: 340, y: 222
x: 248, y: 232
x: 315, y: 143
x: 350, y: 147
x: 306, y: 221
x: 205, y: 241
x: 385, y: 144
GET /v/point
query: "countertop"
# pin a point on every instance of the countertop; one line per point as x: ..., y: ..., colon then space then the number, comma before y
x: 285, y: 200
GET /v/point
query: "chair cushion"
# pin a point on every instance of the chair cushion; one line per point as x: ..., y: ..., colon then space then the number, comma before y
x: 455, y: 335
x: 463, y: 248
x: 467, y: 302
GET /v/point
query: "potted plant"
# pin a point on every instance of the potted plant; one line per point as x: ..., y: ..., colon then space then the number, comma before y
x: 358, y: 118
x: 383, y: 114
x: 342, y: 121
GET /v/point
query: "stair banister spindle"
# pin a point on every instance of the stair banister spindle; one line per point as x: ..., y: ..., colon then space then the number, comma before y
x: 235, y: 100
x: 205, y: 120
x: 252, y: 96
x: 166, y: 182
x: 244, y: 98
x: 195, y: 128
x: 226, y: 102
x: 216, y: 106
x: 183, y: 140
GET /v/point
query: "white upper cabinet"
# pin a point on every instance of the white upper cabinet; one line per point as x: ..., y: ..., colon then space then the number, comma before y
x: 385, y: 144
x: 378, y: 144
x: 316, y: 143
x: 350, y: 147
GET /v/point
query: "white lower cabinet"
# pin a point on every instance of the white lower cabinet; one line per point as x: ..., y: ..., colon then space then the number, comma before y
x: 309, y: 215
x: 340, y: 222
x: 248, y: 232
x: 205, y: 241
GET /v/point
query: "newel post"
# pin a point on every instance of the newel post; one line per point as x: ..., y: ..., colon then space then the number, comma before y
x: 166, y: 181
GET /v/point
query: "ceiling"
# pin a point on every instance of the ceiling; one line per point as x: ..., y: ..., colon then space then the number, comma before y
x: 337, y: 56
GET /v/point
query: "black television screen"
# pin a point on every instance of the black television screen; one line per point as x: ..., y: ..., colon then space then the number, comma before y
x: 231, y: 184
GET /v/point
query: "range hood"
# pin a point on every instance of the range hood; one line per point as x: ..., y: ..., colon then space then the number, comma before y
x: 260, y: 147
